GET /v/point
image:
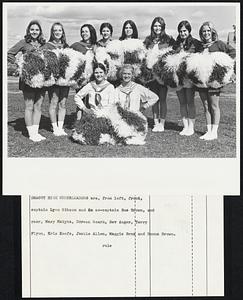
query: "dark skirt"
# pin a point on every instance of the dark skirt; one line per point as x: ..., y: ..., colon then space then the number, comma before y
x: 211, y: 91
x: 25, y: 87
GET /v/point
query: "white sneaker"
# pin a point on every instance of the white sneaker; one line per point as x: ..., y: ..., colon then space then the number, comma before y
x: 41, y: 137
x: 59, y: 132
x: 184, y: 131
x: 211, y: 137
x: 158, y: 128
x: 62, y: 132
x: 205, y: 135
x: 189, y: 132
x: 35, y: 138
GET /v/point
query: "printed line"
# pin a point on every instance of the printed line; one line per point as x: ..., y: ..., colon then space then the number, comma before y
x: 30, y: 241
x: 135, y: 249
x: 192, y: 245
x: 206, y: 245
x: 150, y: 275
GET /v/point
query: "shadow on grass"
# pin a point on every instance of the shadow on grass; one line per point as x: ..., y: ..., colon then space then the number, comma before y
x: 168, y: 125
x: 70, y: 120
x: 19, y: 125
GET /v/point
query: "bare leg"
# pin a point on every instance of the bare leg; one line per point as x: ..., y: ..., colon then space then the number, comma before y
x: 214, y: 101
x: 29, y: 98
x: 207, y: 110
x: 190, y: 93
x: 39, y: 96
x: 62, y: 104
x: 183, y: 110
x: 53, y: 96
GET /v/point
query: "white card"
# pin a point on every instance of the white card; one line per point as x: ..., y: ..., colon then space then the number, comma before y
x: 118, y: 245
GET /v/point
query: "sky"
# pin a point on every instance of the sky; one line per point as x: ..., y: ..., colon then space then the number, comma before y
x: 73, y: 15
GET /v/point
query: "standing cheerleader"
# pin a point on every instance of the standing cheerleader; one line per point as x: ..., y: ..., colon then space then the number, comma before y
x: 129, y: 31
x: 88, y: 39
x: 106, y: 31
x: 33, y: 40
x: 87, y: 43
x: 100, y: 92
x: 185, y: 42
x: 57, y: 94
x: 162, y: 40
x: 210, y: 96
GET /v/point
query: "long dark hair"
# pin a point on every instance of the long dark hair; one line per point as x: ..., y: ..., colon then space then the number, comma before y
x: 189, y: 40
x: 163, y: 37
x: 63, y: 38
x: 28, y: 37
x: 134, y: 28
x: 93, y: 36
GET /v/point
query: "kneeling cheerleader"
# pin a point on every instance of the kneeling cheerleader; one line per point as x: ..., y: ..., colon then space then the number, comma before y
x: 114, y: 118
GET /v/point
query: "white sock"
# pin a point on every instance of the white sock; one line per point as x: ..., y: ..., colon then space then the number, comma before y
x: 209, y: 127
x: 35, y: 129
x: 215, y: 129
x: 185, y: 123
x: 191, y: 123
x: 60, y: 124
x: 54, y: 126
x: 162, y: 121
x: 30, y: 130
x: 156, y: 121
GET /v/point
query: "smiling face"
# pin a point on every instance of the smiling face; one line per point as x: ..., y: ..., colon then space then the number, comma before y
x: 99, y: 75
x: 127, y: 75
x: 157, y: 28
x: 183, y: 32
x: 128, y: 30
x: 34, y: 31
x: 57, y: 32
x: 106, y: 33
x: 85, y: 34
x: 207, y: 33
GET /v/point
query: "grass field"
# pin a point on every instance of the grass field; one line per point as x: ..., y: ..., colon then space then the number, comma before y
x: 162, y: 144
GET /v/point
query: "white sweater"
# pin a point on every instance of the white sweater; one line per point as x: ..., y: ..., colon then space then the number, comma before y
x: 140, y: 96
x: 107, y: 96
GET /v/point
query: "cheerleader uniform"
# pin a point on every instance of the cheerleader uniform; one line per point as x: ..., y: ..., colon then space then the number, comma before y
x: 23, y: 47
x: 52, y: 46
x: 82, y: 47
x: 96, y: 96
x: 101, y: 43
x: 217, y: 46
x: 135, y: 97
x: 164, y: 42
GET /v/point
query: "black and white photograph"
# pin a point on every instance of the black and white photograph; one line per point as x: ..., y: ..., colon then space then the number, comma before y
x: 121, y: 80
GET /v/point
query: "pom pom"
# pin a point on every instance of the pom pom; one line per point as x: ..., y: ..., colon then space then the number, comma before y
x: 199, y: 68
x: 223, y: 70
x: 13, y: 69
x: 134, y: 54
x: 32, y: 68
x: 101, y: 56
x: 72, y: 67
x: 152, y: 57
x: 51, y: 71
x: 113, y: 125
x: 210, y: 69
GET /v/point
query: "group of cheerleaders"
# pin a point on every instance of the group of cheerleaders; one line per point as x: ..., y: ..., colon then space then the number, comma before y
x: 130, y: 94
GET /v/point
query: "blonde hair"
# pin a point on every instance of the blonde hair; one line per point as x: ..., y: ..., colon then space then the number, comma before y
x: 213, y: 31
x: 124, y: 67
